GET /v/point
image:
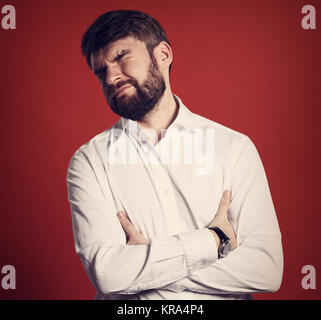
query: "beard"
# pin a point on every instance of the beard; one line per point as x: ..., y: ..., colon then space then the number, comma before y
x: 141, y: 102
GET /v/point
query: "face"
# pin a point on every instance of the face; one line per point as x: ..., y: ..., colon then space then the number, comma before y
x: 129, y: 77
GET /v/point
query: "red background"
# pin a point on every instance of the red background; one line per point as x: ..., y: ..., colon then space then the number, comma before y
x: 246, y: 64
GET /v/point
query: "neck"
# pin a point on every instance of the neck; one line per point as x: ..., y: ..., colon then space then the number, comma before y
x: 162, y: 115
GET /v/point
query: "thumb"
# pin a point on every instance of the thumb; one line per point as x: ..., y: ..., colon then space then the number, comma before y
x: 128, y: 227
x: 224, y: 203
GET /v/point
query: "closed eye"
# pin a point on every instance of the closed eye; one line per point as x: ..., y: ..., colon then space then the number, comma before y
x: 121, y: 55
x: 102, y: 71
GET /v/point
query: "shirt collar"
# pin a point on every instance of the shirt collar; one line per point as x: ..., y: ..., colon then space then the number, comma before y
x: 183, y: 120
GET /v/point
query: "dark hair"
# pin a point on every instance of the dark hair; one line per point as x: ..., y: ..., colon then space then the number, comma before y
x: 115, y: 25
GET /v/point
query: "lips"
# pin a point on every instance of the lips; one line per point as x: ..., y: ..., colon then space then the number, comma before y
x: 121, y: 89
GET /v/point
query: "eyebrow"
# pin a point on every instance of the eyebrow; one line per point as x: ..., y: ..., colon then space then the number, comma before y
x: 117, y: 58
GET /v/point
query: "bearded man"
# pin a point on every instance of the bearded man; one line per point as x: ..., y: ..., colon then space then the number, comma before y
x: 149, y: 222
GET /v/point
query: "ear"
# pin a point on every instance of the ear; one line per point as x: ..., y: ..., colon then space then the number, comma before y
x: 164, y: 55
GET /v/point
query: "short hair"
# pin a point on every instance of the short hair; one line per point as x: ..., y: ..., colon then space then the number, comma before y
x: 116, y: 25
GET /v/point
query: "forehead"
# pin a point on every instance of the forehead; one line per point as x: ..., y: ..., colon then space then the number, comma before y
x: 111, y: 50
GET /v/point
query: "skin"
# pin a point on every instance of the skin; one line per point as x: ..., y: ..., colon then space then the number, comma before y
x: 135, y: 64
x: 129, y: 58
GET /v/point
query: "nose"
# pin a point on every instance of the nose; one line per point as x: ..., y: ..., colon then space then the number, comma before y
x: 113, y: 75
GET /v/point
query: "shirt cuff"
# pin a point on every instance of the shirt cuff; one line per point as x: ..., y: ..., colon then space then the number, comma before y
x: 200, y: 248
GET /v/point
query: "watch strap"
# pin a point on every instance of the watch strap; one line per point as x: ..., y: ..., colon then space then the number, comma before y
x: 223, y: 237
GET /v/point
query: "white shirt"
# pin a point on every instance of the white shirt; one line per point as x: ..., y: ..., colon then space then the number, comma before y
x: 171, y: 192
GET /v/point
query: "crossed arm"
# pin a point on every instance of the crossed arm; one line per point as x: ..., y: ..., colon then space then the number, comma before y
x: 185, y: 261
x: 135, y: 237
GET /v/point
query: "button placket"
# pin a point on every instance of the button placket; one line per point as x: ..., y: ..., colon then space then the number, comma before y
x: 167, y: 194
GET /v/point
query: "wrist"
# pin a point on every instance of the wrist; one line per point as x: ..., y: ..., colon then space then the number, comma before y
x: 225, y: 245
x: 216, y: 237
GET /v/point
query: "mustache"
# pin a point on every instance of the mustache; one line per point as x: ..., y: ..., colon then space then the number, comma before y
x: 112, y: 88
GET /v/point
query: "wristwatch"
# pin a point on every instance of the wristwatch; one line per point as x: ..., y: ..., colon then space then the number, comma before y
x: 225, y: 244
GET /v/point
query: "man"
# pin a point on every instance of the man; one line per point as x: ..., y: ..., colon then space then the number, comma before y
x: 148, y: 221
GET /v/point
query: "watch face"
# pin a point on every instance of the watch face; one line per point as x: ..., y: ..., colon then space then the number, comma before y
x: 225, y: 249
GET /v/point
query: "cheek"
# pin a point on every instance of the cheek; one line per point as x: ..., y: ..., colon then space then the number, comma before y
x: 136, y: 70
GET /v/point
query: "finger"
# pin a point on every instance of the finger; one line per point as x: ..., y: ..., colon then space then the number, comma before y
x: 224, y: 203
x: 128, y: 227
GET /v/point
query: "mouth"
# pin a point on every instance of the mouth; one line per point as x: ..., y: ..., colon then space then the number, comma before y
x: 120, y: 90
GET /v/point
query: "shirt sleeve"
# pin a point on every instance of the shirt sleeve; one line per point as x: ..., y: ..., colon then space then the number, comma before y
x: 100, y: 242
x: 256, y: 265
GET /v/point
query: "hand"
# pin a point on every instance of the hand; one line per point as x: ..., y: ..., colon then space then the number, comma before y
x: 221, y: 220
x: 133, y: 235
